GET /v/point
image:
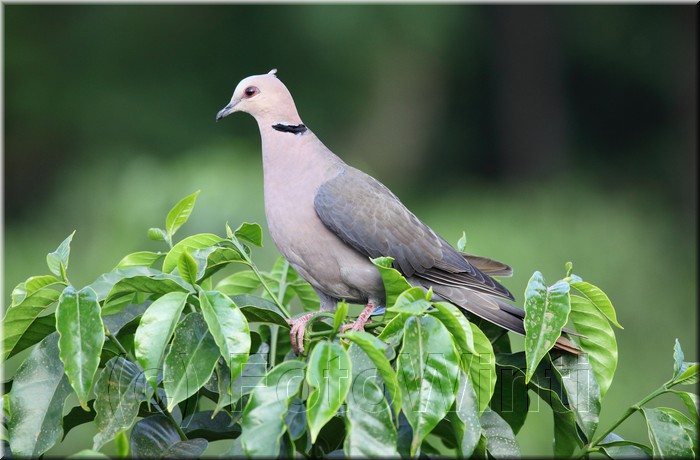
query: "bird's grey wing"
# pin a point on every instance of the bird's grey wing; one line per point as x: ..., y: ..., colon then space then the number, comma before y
x: 488, y: 266
x: 370, y: 218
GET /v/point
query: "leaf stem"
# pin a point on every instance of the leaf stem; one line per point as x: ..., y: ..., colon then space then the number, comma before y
x: 631, y: 410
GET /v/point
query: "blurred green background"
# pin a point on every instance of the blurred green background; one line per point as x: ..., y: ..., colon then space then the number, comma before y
x: 547, y: 133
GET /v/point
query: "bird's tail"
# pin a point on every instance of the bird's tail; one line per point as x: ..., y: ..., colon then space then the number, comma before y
x: 496, y: 311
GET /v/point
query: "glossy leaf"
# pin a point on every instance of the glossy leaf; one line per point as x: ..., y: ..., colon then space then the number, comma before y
x: 598, y: 298
x: 546, y: 313
x: 187, y: 267
x: 37, y: 397
x: 81, y: 336
x: 243, y: 282
x: 229, y: 328
x: 263, y: 418
x: 19, y: 317
x: 251, y: 233
x: 615, y: 447
x: 511, y: 398
x: 211, y: 427
x: 179, y: 214
x: 190, y: 361
x: 104, y: 283
x: 249, y: 377
x: 32, y: 285
x: 160, y: 284
x: 199, y: 241
x: 155, y: 329
x: 689, y: 374
x: 89, y: 454
x: 328, y: 373
x: 465, y: 421
x: 157, y: 234
x: 481, y: 367
x: 458, y: 325
x: 77, y: 416
x: 35, y: 333
x: 428, y: 372
x: 306, y: 294
x: 119, y: 390
x: 139, y: 259
x: 678, y: 359
x: 368, y: 424
x: 692, y: 403
x: 213, y: 258
x: 259, y: 310
x: 374, y: 348
x: 394, y: 282
x: 500, y: 439
x: 58, y: 260
x: 583, y: 394
x: 462, y: 242
x: 598, y: 342
x: 155, y: 436
x: 667, y: 435
x: 339, y: 316
x: 413, y: 301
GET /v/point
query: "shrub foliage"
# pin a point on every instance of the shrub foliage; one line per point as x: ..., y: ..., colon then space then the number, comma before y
x: 164, y: 355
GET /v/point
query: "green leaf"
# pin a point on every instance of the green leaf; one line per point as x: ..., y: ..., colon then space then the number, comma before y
x: 340, y: 313
x: 678, y: 359
x: 77, y: 416
x: 428, y: 372
x: 598, y: 340
x: 667, y: 435
x: 546, y: 312
x: 546, y: 383
x: 105, y: 283
x: 199, y: 241
x: 599, y: 299
x: 32, y: 285
x: 692, y: 403
x: 139, y: 259
x: 88, y: 453
x: 155, y: 329
x: 615, y: 447
x: 157, y: 234
x: 414, y: 301
x: 213, y: 258
x: 462, y: 242
x: 81, y: 336
x: 159, y: 285
x: 458, y: 325
x: 251, y: 233
x: 210, y: 426
x: 393, y: 331
x: 465, y: 420
x: 190, y: 361
x: 229, y: 328
x: 187, y: 267
x: 374, y: 348
x: 229, y: 393
x: 19, y: 318
x: 368, y: 424
x: 37, y: 397
x: 481, y: 367
x: 243, y: 282
x: 119, y: 390
x: 155, y: 436
x: 121, y: 442
x: 689, y: 375
x: 582, y: 390
x: 179, y: 214
x: 510, y: 397
x: 394, y: 282
x: 259, y: 310
x: 328, y: 373
x: 306, y: 294
x: 58, y: 260
x: 500, y: 439
x: 35, y: 333
x: 262, y: 423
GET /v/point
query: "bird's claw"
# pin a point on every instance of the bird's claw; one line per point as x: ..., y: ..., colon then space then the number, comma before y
x: 359, y: 323
x: 296, y: 334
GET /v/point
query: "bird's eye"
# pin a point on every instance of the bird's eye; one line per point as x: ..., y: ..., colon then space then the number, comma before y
x: 251, y: 91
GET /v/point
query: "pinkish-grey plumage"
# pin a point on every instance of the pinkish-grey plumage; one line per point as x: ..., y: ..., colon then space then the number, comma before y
x: 328, y: 219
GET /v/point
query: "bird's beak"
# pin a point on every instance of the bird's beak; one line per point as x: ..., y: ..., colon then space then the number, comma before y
x: 226, y: 111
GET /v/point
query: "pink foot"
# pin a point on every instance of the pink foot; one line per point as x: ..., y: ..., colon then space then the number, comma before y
x: 359, y: 324
x: 296, y: 334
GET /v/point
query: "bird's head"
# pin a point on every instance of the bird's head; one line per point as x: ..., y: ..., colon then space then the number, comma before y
x: 264, y: 97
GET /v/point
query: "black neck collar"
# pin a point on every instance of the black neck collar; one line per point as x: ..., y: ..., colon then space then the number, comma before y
x: 294, y: 129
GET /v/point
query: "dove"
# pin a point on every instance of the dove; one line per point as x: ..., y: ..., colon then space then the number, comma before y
x: 329, y: 219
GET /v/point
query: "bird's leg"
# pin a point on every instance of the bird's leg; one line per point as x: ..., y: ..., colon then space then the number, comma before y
x: 359, y: 324
x: 296, y: 334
